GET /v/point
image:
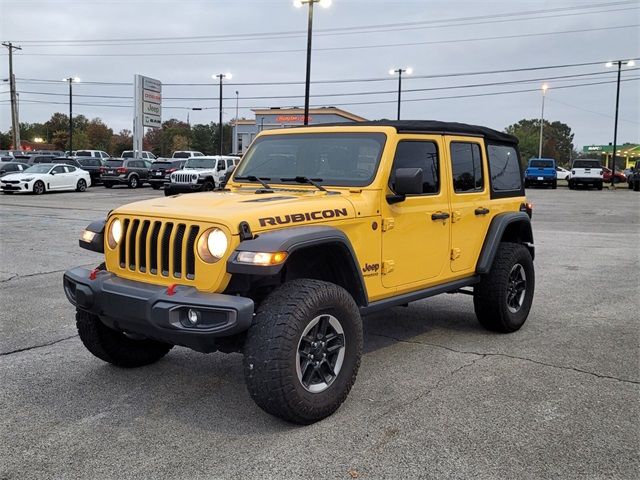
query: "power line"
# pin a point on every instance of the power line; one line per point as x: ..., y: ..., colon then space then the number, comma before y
x: 591, y: 111
x: 330, y: 49
x: 344, y: 94
x: 490, y: 18
x: 379, y: 102
x: 352, y: 80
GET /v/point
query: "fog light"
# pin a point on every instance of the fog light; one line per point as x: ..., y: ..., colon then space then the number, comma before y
x: 88, y: 236
x: 193, y: 316
x: 262, y: 258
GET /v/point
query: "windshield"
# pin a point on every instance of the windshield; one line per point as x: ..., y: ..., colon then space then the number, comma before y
x: 541, y: 163
x: 341, y: 159
x: 127, y: 154
x: 181, y: 155
x: 83, y: 153
x: 586, y: 164
x: 113, y: 163
x: 161, y: 164
x: 200, y: 163
x: 42, y: 168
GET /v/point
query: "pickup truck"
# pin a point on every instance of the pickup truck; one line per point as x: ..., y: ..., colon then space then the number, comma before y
x: 541, y: 171
x: 587, y: 172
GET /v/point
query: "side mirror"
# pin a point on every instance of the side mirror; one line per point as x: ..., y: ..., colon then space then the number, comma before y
x: 52, y: 172
x: 408, y: 182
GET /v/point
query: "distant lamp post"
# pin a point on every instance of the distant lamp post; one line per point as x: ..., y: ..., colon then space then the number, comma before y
x: 399, y: 72
x: 544, y: 94
x: 220, y: 76
x: 299, y: 4
x: 71, y: 81
x: 619, y: 63
x: 235, y: 125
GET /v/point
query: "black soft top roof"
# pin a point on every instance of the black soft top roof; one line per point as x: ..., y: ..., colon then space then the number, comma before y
x: 433, y: 126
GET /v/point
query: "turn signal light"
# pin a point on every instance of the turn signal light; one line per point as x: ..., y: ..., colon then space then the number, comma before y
x: 261, y: 258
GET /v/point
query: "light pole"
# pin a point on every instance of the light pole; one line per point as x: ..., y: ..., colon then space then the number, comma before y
x: 298, y: 4
x: 235, y: 126
x: 544, y: 94
x: 71, y: 81
x: 628, y: 63
x: 400, y: 71
x: 220, y: 76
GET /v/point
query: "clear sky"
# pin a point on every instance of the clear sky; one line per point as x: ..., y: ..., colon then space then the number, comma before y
x: 185, y: 41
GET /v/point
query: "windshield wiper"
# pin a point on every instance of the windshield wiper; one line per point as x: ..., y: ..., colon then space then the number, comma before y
x: 253, y: 178
x: 310, y: 181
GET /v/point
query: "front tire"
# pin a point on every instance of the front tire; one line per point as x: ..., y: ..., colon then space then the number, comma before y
x: 155, y: 186
x: 302, y: 353
x: 208, y: 186
x: 81, y: 185
x: 108, y: 185
x: 38, y: 188
x: 115, y: 347
x: 503, y: 297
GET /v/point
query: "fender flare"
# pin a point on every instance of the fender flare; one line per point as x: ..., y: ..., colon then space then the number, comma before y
x: 290, y: 240
x: 499, y: 225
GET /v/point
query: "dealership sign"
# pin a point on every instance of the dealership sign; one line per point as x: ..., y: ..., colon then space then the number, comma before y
x: 147, y: 107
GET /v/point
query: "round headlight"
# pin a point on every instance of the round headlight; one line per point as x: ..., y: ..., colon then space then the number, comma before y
x: 212, y: 245
x: 115, y: 233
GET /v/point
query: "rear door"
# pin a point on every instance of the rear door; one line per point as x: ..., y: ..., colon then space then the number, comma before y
x: 470, y: 206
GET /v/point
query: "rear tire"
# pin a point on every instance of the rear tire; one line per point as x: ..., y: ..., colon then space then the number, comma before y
x: 302, y: 353
x: 599, y: 186
x: 503, y: 297
x: 133, y: 182
x: 115, y: 347
x: 108, y: 184
x: 554, y: 185
x: 636, y: 186
x: 81, y: 186
x: 155, y: 186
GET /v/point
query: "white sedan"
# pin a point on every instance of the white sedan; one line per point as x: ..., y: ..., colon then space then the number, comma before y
x: 562, y: 174
x: 45, y: 177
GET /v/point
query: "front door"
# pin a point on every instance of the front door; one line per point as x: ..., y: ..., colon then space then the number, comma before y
x: 470, y: 206
x: 57, y: 180
x: 415, y: 238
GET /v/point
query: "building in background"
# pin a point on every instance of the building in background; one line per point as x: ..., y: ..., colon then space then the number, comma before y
x: 628, y: 153
x: 269, y: 118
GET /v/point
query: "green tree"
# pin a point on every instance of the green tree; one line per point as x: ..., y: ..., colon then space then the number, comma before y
x: 557, y: 139
x: 57, y: 123
x: 99, y: 135
x: 121, y: 141
x: 202, y: 137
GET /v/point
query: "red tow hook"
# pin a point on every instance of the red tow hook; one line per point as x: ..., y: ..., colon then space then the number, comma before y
x: 94, y: 274
x: 171, y: 289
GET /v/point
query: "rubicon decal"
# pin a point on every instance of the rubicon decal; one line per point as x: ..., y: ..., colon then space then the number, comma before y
x: 303, y: 217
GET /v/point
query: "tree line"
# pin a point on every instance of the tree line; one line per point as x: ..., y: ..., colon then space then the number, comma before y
x: 178, y: 135
x: 96, y: 135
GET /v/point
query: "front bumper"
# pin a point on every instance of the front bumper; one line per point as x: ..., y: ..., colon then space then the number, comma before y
x: 17, y: 187
x: 153, y: 311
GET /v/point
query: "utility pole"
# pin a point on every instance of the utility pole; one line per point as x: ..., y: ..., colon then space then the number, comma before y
x: 15, y: 121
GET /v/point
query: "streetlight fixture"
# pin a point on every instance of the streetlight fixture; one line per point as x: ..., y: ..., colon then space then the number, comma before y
x: 235, y: 125
x: 400, y: 71
x: 71, y: 81
x: 220, y: 76
x: 619, y: 63
x: 544, y: 94
x: 299, y: 4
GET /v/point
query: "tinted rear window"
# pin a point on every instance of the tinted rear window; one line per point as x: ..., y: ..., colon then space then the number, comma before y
x: 541, y: 163
x: 162, y: 164
x: 113, y: 163
x: 83, y: 153
x: 181, y: 155
x: 586, y: 164
x: 504, y: 168
x: 89, y: 162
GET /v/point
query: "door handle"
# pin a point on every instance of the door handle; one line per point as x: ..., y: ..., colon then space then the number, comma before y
x: 481, y: 211
x: 439, y: 216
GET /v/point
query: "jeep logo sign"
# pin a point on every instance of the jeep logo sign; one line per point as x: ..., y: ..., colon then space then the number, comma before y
x: 303, y: 217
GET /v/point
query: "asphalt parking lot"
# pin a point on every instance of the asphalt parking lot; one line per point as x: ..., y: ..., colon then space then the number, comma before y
x: 436, y: 397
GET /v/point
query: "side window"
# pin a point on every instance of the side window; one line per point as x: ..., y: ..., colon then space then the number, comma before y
x: 59, y: 169
x: 221, y: 165
x: 417, y: 154
x: 229, y: 163
x: 504, y: 168
x: 466, y: 166
x: 70, y: 168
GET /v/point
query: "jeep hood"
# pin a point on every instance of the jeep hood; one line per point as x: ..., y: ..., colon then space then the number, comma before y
x: 261, y: 211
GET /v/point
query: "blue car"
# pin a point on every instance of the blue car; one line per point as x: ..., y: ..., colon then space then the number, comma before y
x: 541, y: 171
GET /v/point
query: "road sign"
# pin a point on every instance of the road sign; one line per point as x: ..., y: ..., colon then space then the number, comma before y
x: 147, y: 107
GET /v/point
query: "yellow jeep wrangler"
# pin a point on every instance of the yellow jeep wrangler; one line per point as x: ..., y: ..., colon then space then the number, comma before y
x: 317, y: 227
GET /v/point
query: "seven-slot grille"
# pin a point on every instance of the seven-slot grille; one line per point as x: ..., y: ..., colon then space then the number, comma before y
x: 184, y: 178
x: 160, y: 248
